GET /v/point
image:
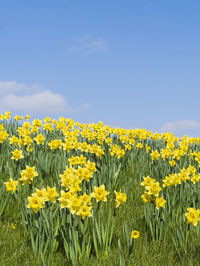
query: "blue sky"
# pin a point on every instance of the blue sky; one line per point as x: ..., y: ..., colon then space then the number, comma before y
x: 128, y: 63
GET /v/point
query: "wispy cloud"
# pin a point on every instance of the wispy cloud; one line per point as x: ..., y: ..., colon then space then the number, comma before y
x: 34, y: 100
x: 181, y: 126
x: 88, y: 45
x: 18, y: 87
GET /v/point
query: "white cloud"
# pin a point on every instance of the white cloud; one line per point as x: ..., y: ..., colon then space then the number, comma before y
x: 11, y: 86
x: 89, y: 46
x: 19, y: 98
x: 17, y: 87
x: 43, y: 103
x: 183, y: 125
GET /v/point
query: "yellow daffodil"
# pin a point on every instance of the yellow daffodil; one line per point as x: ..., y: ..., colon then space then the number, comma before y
x: 100, y: 193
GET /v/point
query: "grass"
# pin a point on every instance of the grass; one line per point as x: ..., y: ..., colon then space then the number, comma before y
x: 16, y: 249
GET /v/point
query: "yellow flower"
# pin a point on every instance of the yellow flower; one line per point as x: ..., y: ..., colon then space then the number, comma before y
x: 191, y: 170
x: 51, y: 194
x: 146, y: 197
x: 73, y: 160
x: 35, y: 203
x: 17, y: 154
x: 27, y: 126
x: 160, y: 202
x: 175, y: 179
x: 7, y: 115
x: 100, y: 193
x: 17, y: 117
x: 172, y: 162
x: 35, y: 129
x: 195, y: 178
x: 155, y: 155
x: 37, y: 123
x: 148, y: 148
x: 28, y: 174
x: 11, y: 185
x: 39, y: 139
x: 85, y: 199
x: 127, y: 147
x: 55, y: 144
x: 147, y: 181
x: 13, y: 226
x: 74, y: 205
x: 84, y: 211
x: 91, y: 166
x: 193, y: 216
x: 82, y: 160
x: 47, y: 119
x: 139, y: 146
x: 2, y: 127
x: 3, y: 136
x: 87, y: 174
x: 135, y: 234
x: 27, y: 140
x: 42, y: 193
x: 68, y: 145
x: 154, y: 189
x: 65, y: 199
x: 167, y: 182
x: 120, y: 198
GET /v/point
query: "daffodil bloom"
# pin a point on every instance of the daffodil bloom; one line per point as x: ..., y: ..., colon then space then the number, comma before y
x: 172, y: 162
x: 13, y: 226
x: 91, y: 166
x: 176, y: 179
x: 42, y: 193
x: 139, y: 146
x: 35, y: 203
x: 155, y: 155
x: 82, y: 160
x: 87, y: 174
x: 37, y: 123
x: 74, y: 205
x: 51, y: 194
x: 47, y: 119
x: 147, y: 197
x: 167, y: 182
x: 73, y: 160
x: 3, y: 136
x: 17, y: 154
x: 84, y: 211
x: 160, y: 202
x: 147, y: 181
x: 193, y: 216
x: 154, y: 189
x: 55, y: 144
x: 148, y: 148
x: 191, y: 170
x: 120, y: 198
x: 17, y: 117
x: 28, y: 174
x: 11, y: 185
x: 13, y: 140
x: 195, y: 178
x: 100, y: 193
x: 135, y: 234
x: 39, y: 139
x: 35, y: 129
x: 65, y: 199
